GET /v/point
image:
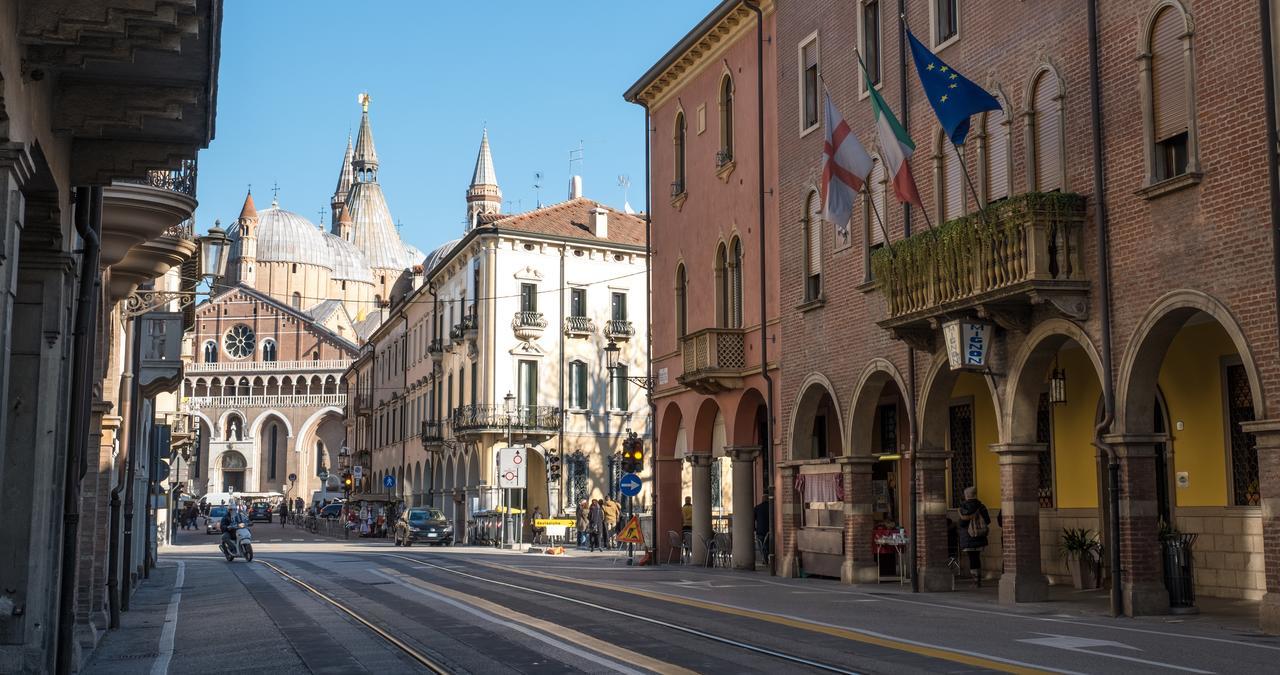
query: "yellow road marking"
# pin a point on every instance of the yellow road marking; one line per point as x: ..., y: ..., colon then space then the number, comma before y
x: 801, y: 624
x: 570, y: 635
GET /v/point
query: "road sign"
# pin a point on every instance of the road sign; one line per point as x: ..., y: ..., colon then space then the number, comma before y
x: 631, y: 534
x: 388, y: 481
x: 357, y: 471
x: 512, y: 468
x: 162, y: 471
x: 630, y: 485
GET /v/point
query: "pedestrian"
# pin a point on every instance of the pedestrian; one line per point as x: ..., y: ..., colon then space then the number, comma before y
x: 973, y: 535
x: 190, y: 516
x: 583, y: 523
x: 534, y: 517
x: 284, y: 512
x: 686, y: 513
x: 595, y: 524
x: 612, y: 511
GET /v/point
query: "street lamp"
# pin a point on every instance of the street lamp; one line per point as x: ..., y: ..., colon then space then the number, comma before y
x: 213, y: 252
x: 612, y: 357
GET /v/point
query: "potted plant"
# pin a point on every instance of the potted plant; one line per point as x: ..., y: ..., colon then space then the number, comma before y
x: 1083, y: 553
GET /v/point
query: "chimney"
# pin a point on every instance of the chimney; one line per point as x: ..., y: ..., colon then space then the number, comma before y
x: 575, y: 187
x: 600, y: 222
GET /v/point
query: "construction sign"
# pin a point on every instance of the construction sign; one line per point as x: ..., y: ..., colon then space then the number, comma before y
x: 631, y: 533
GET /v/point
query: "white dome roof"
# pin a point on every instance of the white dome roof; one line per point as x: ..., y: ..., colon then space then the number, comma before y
x: 349, y: 264
x: 284, y: 236
x: 437, y: 255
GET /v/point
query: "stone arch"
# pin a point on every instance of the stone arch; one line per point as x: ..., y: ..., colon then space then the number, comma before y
x: 1149, y: 21
x: 803, y: 412
x: 1145, y: 351
x: 936, y: 399
x: 256, y: 427
x: 317, y: 417
x: 744, y: 431
x: 704, y: 426
x: 1026, y: 374
x: 226, y: 418
x: 213, y: 428
x: 875, y: 376
x: 669, y: 429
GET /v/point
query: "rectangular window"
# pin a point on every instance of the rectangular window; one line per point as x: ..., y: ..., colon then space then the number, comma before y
x: 528, y: 297
x: 871, y: 39
x: 528, y: 384
x: 475, y: 381
x: 449, y: 393
x: 578, y: 385
x: 619, y: 307
x: 809, y: 84
x: 1171, y: 157
x: 621, y: 388
x: 1044, y: 434
x: 578, y: 302
x: 946, y: 25
x: 1244, y: 447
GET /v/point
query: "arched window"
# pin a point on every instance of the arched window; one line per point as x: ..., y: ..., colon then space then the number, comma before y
x: 874, y: 211
x: 722, y: 287
x: 951, y: 185
x: 243, y: 389
x: 726, y: 122
x: 578, y: 385
x: 678, y: 184
x: 812, y: 225
x: 210, y: 351
x: 996, y: 148
x: 268, y: 350
x: 735, y: 284
x: 1047, y: 138
x: 1168, y: 82
x: 296, y: 300
x: 682, y: 302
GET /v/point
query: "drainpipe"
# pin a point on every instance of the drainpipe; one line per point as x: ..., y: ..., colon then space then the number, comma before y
x: 912, y: 439
x: 435, y: 385
x: 764, y: 247
x: 404, y: 397
x: 648, y: 333
x: 1273, y: 138
x: 554, y: 509
x: 1104, y: 310
x: 88, y: 223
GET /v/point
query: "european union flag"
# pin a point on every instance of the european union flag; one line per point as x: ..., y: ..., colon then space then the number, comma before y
x: 953, y: 96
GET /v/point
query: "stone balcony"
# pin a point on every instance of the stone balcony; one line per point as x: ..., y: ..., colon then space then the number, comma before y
x: 528, y: 325
x: 436, y: 350
x: 146, y: 227
x: 998, y: 264
x: 714, y: 360
x: 619, y: 330
x: 579, y: 326
x: 268, y: 366
x: 363, y: 405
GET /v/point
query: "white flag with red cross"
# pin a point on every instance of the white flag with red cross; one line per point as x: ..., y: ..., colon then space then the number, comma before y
x: 845, y: 166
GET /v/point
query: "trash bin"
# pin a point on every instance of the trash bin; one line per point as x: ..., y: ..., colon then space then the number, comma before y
x: 1179, y: 572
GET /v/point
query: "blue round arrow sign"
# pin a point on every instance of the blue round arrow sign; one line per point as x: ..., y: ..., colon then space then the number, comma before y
x: 630, y: 484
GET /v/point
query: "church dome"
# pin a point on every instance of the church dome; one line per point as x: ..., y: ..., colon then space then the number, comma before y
x: 284, y: 236
x: 437, y: 255
x: 349, y: 264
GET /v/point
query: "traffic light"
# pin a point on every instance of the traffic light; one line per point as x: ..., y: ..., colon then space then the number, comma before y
x: 553, y: 467
x: 632, y: 454
x: 346, y: 481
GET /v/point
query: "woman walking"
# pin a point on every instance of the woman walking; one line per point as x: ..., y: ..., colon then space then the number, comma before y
x: 583, y: 523
x: 975, y: 522
x: 595, y: 520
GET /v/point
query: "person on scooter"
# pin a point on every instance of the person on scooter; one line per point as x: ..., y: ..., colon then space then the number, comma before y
x: 230, y: 523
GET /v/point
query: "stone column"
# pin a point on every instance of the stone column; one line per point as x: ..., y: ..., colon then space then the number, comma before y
x: 1267, y: 434
x: 701, y: 463
x: 930, y: 466
x: 792, y: 507
x: 1022, y: 580
x: 1142, y: 579
x: 859, y: 564
x: 744, y: 502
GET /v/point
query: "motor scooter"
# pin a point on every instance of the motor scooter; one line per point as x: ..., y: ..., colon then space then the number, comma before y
x: 243, y: 546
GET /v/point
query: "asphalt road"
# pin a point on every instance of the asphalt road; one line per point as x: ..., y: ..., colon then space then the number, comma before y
x: 312, y: 605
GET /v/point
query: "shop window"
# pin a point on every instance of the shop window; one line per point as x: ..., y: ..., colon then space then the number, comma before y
x: 1244, y: 447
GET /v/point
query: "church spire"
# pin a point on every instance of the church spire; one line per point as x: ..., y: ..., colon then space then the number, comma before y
x: 365, y: 160
x: 345, y: 177
x: 484, y: 196
x: 246, y: 249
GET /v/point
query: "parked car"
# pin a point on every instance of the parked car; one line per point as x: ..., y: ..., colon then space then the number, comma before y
x: 214, y: 524
x: 260, y: 511
x: 331, y: 511
x: 418, y: 525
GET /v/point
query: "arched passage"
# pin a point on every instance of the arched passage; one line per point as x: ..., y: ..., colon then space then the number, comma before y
x: 816, y: 428
x: 670, y: 448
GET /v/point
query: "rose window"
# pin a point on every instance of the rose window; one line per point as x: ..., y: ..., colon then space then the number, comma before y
x: 239, y: 342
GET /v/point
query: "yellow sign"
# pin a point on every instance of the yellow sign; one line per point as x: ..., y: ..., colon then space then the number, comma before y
x: 631, y: 534
x: 553, y: 522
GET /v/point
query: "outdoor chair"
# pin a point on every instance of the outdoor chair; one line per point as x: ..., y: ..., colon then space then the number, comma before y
x: 723, y: 549
x: 708, y: 545
x: 675, y: 546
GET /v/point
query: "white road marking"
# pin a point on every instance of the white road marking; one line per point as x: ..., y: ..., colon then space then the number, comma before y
x: 546, y: 639
x: 1072, y: 643
x: 297, y: 540
x: 161, y: 664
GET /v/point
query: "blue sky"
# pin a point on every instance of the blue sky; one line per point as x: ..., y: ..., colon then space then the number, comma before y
x: 543, y: 76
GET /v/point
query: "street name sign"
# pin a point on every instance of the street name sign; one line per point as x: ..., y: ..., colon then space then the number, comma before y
x: 630, y: 485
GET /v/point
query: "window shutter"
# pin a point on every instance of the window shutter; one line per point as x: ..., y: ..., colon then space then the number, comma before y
x: 735, y: 277
x: 997, y: 156
x: 877, y: 198
x: 814, y: 236
x: 1048, y: 130
x: 953, y: 184
x: 1168, y: 75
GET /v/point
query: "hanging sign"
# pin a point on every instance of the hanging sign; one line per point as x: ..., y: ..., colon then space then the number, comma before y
x: 968, y: 343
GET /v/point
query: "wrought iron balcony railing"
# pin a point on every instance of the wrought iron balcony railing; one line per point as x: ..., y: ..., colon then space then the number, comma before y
x: 619, y: 329
x: 723, y: 157
x: 432, y: 432
x: 181, y: 179
x: 528, y: 325
x: 579, y: 325
x: 677, y: 188
x: 523, y: 420
x: 1017, y: 252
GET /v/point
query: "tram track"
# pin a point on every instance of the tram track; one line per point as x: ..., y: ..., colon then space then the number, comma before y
x: 408, y: 650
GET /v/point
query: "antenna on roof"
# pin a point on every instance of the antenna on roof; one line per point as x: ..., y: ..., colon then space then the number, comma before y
x: 624, y: 182
x: 537, y: 186
x: 577, y: 155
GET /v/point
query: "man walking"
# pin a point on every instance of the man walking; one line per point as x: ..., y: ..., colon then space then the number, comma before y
x: 612, y: 510
x: 284, y: 512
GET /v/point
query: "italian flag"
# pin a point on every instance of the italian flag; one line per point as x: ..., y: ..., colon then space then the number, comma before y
x: 895, y: 148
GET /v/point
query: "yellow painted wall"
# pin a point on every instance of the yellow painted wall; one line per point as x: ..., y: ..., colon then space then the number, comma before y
x: 1192, y: 379
x: 986, y: 470
x: 1075, y: 464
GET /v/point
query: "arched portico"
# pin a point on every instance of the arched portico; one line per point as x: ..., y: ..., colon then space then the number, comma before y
x: 811, y: 480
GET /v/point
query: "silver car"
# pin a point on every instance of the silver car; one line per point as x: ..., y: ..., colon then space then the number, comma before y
x: 214, y: 524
